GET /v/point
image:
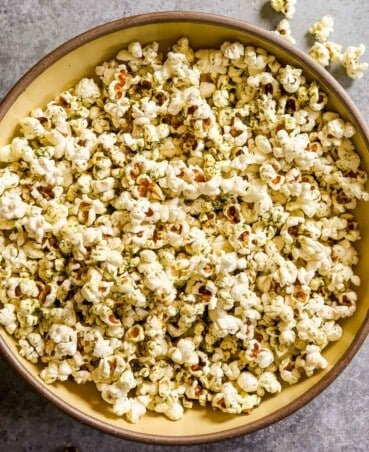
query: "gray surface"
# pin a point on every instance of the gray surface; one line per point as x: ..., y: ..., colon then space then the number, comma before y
x: 336, y: 420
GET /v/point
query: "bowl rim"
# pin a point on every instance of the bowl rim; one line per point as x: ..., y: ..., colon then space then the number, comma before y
x: 300, y: 56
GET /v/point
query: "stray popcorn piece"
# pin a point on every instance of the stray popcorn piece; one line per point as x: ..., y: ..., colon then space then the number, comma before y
x: 323, y: 28
x: 177, y: 231
x: 284, y: 29
x: 326, y: 52
x: 350, y: 61
x: 335, y: 51
x: 320, y: 53
x: 286, y: 7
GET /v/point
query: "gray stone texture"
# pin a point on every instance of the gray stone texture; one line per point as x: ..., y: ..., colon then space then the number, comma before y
x: 338, y: 419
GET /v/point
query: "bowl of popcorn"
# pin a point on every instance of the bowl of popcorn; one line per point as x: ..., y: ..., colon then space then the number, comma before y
x: 183, y: 222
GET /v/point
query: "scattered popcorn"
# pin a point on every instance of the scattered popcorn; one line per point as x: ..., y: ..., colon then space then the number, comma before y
x: 335, y: 51
x: 284, y: 29
x: 326, y: 52
x: 320, y: 53
x: 322, y: 29
x: 350, y: 61
x: 286, y: 7
x: 178, y: 231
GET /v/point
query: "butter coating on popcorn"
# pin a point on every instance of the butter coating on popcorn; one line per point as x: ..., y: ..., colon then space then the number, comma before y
x: 178, y: 231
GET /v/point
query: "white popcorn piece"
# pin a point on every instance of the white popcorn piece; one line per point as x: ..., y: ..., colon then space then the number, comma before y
x: 174, y: 412
x: 322, y: 28
x: 320, y: 53
x: 137, y: 410
x: 248, y: 382
x: 326, y: 52
x: 290, y: 78
x: 8, y: 179
x: 289, y: 372
x: 32, y: 128
x: 88, y: 90
x: 8, y: 318
x: 335, y: 51
x: 286, y: 7
x: 9, y: 154
x: 350, y: 61
x: 135, y: 49
x: 184, y: 353
x: 64, y: 338
x: 264, y: 358
x: 269, y: 382
x: 283, y: 29
x: 312, y: 360
x: 12, y: 205
x: 233, y: 51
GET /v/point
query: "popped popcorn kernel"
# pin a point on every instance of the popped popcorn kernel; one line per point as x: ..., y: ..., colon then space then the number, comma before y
x: 350, y: 61
x: 286, y: 7
x: 322, y: 28
x: 320, y: 53
x: 283, y: 29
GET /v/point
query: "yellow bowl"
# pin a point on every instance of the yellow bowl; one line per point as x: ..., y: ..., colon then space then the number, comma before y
x: 76, y: 59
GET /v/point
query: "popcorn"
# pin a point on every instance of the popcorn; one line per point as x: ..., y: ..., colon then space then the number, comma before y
x: 64, y: 338
x: 179, y: 231
x: 350, y: 61
x: 12, y: 206
x: 248, y: 382
x: 264, y: 358
x: 88, y: 90
x: 31, y: 128
x: 289, y: 372
x: 9, y: 154
x: 233, y: 51
x: 228, y: 400
x: 322, y: 29
x: 320, y: 53
x: 326, y: 52
x: 174, y: 412
x: 135, y: 49
x: 184, y: 353
x: 290, y: 78
x: 137, y: 410
x: 286, y: 7
x: 8, y: 318
x: 312, y: 360
x: 269, y: 382
x: 335, y: 51
x: 283, y: 29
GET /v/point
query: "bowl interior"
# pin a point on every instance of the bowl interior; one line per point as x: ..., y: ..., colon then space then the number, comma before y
x: 84, y: 401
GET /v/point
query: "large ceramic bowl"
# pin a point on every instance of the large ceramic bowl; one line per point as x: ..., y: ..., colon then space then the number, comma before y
x: 77, y: 58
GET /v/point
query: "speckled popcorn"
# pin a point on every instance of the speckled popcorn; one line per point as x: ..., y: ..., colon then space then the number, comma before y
x: 178, y: 230
x: 326, y: 52
x: 286, y: 7
x: 283, y: 29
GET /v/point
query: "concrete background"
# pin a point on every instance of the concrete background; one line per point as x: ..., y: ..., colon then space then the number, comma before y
x: 338, y: 419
